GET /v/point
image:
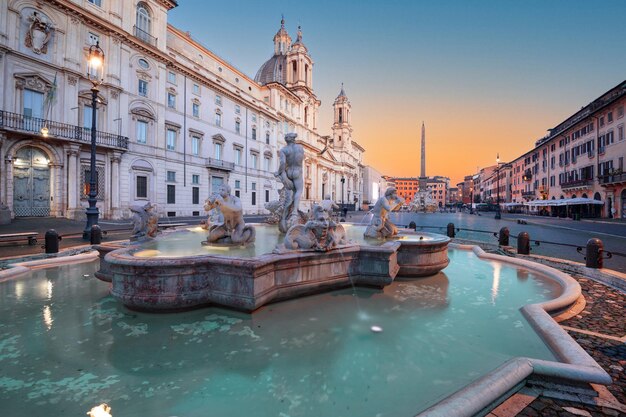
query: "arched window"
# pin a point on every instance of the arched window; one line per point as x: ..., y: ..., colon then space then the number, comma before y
x: 295, y: 71
x: 143, y: 19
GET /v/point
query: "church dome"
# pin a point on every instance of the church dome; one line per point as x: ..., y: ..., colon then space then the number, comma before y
x: 273, y: 70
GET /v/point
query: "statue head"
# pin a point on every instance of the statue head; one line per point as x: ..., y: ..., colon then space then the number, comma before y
x: 320, y: 217
x: 391, y: 192
x: 327, y: 197
x: 291, y: 137
x: 224, y: 190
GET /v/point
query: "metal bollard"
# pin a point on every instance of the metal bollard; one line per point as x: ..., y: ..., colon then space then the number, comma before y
x: 523, y: 243
x: 96, y: 235
x: 413, y: 226
x: 450, y: 231
x: 595, y: 247
x: 52, y: 241
x: 503, y: 237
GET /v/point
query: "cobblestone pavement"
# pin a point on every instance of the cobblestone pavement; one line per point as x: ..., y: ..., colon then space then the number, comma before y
x: 604, y: 315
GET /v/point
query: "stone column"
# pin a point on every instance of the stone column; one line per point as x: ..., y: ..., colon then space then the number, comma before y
x: 74, y: 209
x: 115, y: 185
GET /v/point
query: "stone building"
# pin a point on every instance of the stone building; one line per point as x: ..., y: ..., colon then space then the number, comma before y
x: 582, y: 157
x: 173, y: 122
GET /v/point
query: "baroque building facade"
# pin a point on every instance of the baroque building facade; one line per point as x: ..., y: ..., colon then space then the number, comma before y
x: 173, y: 120
x: 581, y: 157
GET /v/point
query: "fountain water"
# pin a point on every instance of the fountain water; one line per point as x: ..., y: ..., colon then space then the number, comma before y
x: 237, y: 364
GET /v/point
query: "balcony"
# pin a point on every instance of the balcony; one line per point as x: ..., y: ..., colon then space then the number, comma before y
x: 219, y: 164
x: 591, y: 154
x: 577, y: 184
x: 144, y: 36
x: 601, y: 150
x: 23, y: 124
x: 612, y: 179
x: 528, y: 194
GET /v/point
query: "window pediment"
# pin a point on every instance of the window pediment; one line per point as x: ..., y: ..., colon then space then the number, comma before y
x: 195, y: 132
x: 142, y: 113
x: 32, y: 81
x: 218, y: 138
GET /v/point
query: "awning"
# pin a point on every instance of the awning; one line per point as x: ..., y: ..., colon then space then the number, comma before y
x: 563, y: 202
x: 512, y: 204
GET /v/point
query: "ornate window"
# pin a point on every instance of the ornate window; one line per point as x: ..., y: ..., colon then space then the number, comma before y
x: 170, y: 137
x: 142, y: 131
x: 142, y: 88
x: 144, y: 21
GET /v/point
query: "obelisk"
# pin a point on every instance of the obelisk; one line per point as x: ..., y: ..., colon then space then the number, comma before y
x: 423, y: 181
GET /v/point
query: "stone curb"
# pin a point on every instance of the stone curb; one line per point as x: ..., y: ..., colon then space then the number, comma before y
x: 487, y: 392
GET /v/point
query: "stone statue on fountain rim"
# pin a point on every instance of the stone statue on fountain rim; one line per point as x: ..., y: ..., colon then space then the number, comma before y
x: 381, y: 227
x: 232, y: 229
x: 289, y: 173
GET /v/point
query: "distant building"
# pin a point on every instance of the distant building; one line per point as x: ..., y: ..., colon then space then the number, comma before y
x: 453, y: 195
x: 374, y: 185
x: 408, y: 186
x: 583, y: 156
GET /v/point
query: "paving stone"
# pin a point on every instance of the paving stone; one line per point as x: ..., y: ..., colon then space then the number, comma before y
x: 604, y: 314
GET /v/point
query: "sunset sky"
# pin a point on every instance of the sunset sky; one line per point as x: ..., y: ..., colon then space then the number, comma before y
x: 486, y: 76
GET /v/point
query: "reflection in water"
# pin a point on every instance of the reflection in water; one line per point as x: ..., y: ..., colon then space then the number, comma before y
x: 49, y: 290
x: 522, y: 274
x: 319, y: 355
x: 47, y: 317
x: 19, y: 290
x: 495, y: 285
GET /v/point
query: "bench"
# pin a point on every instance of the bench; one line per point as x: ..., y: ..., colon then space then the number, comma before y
x: 14, y: 237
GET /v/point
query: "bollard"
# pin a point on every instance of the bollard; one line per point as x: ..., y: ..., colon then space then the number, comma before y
x: 52, y: 241
x: 413, y: 226
x: 96, y: 235
x: 503, y: 237
x: 595, y: 247
x: 523, y: 243
x: 450, y: 231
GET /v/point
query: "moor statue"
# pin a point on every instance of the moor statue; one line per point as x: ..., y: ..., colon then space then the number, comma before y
x: 232, y: 229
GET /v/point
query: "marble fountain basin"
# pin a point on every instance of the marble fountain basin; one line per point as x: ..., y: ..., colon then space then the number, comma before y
x: 176, y: 272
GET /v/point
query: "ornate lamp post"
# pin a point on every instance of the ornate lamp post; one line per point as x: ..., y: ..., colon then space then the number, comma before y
x: 343, y: 181
x: 95, y: 73
x: 498, y: 214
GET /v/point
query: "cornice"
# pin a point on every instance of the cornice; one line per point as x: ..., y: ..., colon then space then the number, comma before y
x: 155, y: 53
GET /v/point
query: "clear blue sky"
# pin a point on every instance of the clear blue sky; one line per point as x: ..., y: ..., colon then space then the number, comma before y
x: 486, y: 76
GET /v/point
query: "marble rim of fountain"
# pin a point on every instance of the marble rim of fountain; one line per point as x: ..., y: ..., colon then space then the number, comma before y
x: 574, y: 364
x: 422, y: 258
x: 171, y: 284
x: 485, y: 393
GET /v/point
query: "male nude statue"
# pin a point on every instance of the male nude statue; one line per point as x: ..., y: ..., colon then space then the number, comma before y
x: 290, y: 174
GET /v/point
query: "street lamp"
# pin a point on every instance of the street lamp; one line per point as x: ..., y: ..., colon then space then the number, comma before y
x: 343, y: 181
x: 498, y: 215
x: 95, y: 71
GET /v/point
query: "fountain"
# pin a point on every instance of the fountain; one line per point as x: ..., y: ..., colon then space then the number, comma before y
x: 235, y: 272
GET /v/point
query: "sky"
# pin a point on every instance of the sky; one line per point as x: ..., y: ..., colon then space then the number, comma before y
x: 486, y: 77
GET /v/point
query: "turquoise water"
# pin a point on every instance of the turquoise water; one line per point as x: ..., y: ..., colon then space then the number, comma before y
x: 66, y: 346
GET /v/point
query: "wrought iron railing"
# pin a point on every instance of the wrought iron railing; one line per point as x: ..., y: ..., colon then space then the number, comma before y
x: 19, y: 122
x: 577, y: 183
x: 219, y: 164
x: 144, y: 36
x: 612, y: 178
